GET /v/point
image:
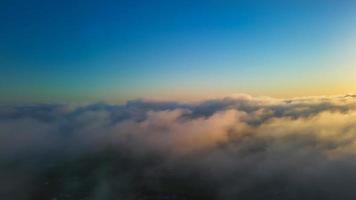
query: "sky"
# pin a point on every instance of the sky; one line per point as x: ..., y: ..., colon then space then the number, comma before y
x: 79, y: 51
x: 175, y: 99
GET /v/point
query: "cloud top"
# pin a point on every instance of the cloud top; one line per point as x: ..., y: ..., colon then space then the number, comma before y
x: 239, y: 147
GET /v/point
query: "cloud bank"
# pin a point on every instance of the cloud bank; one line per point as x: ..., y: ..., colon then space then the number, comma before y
x: 238, y: 147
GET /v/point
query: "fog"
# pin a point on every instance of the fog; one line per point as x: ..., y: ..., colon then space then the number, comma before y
x: 238, y: 147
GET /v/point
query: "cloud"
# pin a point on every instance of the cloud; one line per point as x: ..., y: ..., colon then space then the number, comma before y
x: 238, y: 147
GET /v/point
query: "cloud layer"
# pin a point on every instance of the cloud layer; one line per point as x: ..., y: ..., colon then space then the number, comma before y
x: 239, y: 147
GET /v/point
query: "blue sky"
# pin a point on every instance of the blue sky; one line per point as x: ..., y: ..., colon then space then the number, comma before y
x: 119, y: 50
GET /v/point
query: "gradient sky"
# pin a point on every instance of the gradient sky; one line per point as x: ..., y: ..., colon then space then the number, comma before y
x: 54, y: 51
